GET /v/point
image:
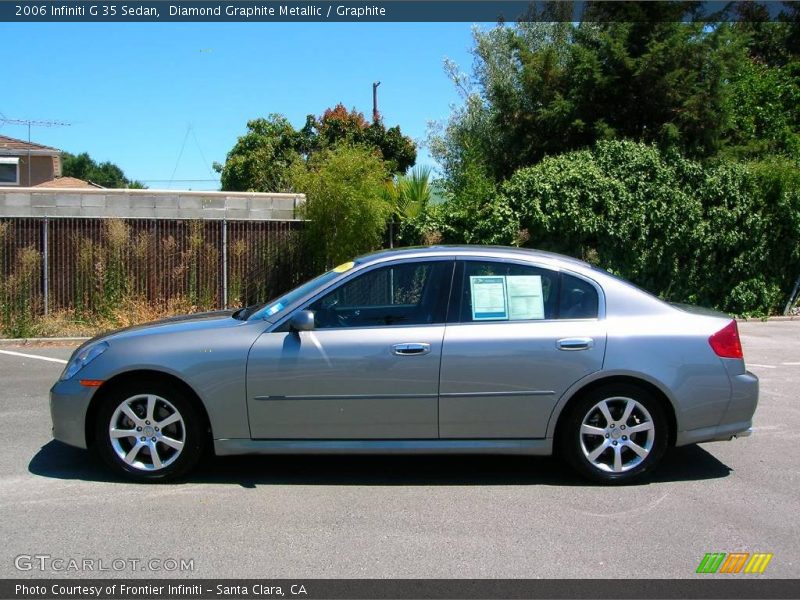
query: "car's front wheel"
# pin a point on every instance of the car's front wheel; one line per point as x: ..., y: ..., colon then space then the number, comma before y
x: 615, y: 434
x: 149, y: 432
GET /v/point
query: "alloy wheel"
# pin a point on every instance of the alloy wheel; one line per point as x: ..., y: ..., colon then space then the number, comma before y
x: 617, y: 434
x: 147, y: 432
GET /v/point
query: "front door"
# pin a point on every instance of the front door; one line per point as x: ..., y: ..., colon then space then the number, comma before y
x: 369, y: 369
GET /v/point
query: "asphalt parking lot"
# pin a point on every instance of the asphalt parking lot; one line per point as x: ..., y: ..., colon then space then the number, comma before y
x: 427, y: 517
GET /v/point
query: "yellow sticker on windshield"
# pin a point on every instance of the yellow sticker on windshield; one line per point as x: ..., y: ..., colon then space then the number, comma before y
x: 344, y: 267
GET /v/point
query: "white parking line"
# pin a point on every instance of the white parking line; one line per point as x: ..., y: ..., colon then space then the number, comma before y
x: 55, y: 360
x: 762, y: 366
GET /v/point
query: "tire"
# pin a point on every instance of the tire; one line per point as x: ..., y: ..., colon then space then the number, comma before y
x: 614, y: 451
x: 149, y: 431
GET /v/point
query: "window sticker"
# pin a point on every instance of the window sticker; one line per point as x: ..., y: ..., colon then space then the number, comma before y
x: 488, y: 298
x: 525, y: 297
x: 277, y: 307
x: 344, y: 267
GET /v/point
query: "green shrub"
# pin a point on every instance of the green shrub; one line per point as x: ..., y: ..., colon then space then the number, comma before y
x: 723, y: 235
x: 345, y: 203
x: 751, y: 250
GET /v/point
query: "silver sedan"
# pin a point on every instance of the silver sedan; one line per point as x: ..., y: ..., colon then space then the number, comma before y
x: 441, y: 349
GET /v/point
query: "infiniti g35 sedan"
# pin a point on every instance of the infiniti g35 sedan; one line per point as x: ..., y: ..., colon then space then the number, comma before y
x: 422, y: 350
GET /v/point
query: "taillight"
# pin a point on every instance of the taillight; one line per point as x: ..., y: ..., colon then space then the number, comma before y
x: 725, y: 343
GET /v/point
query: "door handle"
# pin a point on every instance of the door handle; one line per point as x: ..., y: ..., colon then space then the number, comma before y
x: 576, y: 343
x: 411, y: 349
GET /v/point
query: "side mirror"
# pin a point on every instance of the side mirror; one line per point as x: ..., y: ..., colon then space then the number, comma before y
x: 302, y: 320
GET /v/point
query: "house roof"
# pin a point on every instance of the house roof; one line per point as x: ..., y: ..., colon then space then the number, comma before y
x: 68, y: 182
x: 9, y: 145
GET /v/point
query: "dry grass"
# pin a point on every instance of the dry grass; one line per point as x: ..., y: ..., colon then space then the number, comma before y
x: 130, y: 311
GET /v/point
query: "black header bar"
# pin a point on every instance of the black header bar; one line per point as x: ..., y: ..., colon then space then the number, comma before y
x: 395, y: 11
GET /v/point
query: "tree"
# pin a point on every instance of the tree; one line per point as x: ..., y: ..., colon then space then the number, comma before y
x: 399, y: 151
x: 337, y: 125
x: 262, y: 159
x: 765, y: 112
x: 345, y: 202
x: 410, y: 194
x: 770, y: 42
x: 540, y: 89
x: 106, y: 174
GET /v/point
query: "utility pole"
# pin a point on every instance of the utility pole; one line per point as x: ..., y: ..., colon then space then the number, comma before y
x: 29, y: 123
x: 376, y: 116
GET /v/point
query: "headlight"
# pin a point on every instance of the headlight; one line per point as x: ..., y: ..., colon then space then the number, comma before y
x: 83, y: 358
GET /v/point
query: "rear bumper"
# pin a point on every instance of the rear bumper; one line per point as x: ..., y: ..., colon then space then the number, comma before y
x: 738, y: 418
x: 744, y: 398
x: 719, y: 433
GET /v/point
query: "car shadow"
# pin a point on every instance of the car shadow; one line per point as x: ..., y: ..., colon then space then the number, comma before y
x: 689, y: 463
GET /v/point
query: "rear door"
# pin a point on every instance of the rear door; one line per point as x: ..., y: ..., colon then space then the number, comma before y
x: 518, y: 336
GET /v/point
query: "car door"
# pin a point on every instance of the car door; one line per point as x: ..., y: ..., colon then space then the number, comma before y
x: 518, y: 336
x: 370, y: 367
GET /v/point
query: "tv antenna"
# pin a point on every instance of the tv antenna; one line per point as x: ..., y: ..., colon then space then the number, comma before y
x: 31, y: 123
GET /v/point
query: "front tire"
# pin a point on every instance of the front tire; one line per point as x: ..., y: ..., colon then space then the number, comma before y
x: 615, y: 434
x: 149, y: 431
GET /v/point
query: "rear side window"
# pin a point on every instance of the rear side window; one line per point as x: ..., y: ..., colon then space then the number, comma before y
x: 500, y: 291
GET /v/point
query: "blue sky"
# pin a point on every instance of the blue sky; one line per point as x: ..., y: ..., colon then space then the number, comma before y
x: 132, y: 91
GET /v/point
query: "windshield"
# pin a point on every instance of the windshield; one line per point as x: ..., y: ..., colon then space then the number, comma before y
x: 273, y: 307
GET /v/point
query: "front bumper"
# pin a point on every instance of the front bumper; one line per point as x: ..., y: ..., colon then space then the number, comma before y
x: 69, y: 403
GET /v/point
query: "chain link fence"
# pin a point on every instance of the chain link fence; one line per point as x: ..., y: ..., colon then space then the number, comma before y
x: 93, y: 266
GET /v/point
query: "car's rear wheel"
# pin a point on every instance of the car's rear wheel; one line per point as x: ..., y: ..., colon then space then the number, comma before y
x: 614, y: 434
x: 149, y: 432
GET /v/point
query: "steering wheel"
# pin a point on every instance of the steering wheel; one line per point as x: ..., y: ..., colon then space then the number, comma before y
x: 327, y: 316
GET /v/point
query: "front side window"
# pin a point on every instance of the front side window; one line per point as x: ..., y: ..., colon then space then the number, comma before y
x: 502, y: 291
x: 413, y: 293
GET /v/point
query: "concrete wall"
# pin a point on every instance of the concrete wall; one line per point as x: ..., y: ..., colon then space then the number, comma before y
x: 148, y: 204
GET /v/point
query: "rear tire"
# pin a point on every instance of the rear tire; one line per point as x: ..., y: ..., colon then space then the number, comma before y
x: 615, y: 434
x: 149, y: 431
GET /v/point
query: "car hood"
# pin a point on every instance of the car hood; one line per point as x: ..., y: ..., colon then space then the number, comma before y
x: 199, y: 321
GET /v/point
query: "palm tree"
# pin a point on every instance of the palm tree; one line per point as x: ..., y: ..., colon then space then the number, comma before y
x: 414, y: 192
x: 409, y: 194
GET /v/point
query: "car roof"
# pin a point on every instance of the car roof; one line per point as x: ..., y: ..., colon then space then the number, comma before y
x: 474, y: 250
